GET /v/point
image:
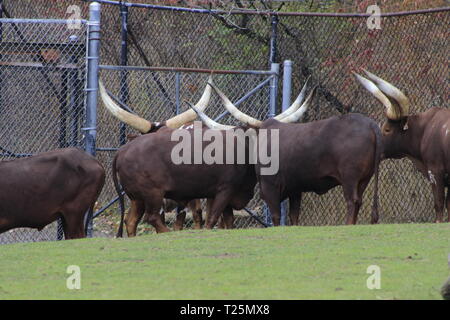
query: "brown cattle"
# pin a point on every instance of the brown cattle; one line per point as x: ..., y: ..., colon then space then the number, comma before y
x: 38, y: 190
x: 170, y: 205
x: 134, y: 164
x: 317, y: 156
x: 149, y: 179
x: 147, y: 173
x: 134, y: 214
x: 424, y: 138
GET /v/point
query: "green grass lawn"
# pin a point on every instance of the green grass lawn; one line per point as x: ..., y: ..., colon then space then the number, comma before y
x: 274, y: 263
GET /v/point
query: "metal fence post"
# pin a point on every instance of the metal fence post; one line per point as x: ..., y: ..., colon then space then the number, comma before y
x: 123, y: 62
x: 274, y: 67
x: 93, y: 52
x: 286, y: 102
x: 273, y: 94
x: 273, y: 40
x: 287, y: 84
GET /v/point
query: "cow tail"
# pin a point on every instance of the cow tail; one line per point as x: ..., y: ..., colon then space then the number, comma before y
x: 378, y: 152
x: 120, y: 194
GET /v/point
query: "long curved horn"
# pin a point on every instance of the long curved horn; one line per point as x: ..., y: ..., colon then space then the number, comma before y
x: 143, y: 125
x: 190, y: 115
x: 235, y: 112
x: 392, y: 112
x: 391, y: 91
x: 210, y: 123
x: 297, y: 115
x: 295, y: 105
x: 133, y: 120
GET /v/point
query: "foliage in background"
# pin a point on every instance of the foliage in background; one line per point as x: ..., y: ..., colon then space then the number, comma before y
x: 301, y: 5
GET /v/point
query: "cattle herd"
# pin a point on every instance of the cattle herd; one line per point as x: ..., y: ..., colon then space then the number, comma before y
x: 312, y: 157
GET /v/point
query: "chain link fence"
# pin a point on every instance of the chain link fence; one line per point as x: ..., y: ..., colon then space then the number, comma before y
x: 42, y: 71
x: 410, y: 50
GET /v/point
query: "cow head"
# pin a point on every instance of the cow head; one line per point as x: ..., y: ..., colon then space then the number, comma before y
x: 395, y: 129
x: 144, y: 126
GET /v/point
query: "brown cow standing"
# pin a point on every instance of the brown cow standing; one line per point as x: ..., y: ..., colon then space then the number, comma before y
x: 147, y: 173
x: 38, y: 190
x: 149, y: 179
x: 149, y: 129
x: 169, y: 205
x: 424, y: 138
x: 145, y: 127
x: 342, y: 150
x: 317, y: 156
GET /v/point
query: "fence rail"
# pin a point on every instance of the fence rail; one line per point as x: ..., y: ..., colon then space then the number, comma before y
x: 153, y: 58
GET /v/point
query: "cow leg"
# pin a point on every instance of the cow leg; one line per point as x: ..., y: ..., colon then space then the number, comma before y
x: 198, y: 219
x: 209, y: 203
x: 438, y: 188
x: 273, y: 201
x: 153, y: 203
x: 72, y: 215
x: 133, y: 216
x: 228, y: 218
x: 179, y: 221
x: 218, y: 206
x: 353, y: 203
x: 447, y: 200
x: 73, y: 224
x: 196, y: 209
x: 362, y: 187
x: 294, y: 208
x: 73, y: 212
x: 220, y: 222
x: 155, y: 220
